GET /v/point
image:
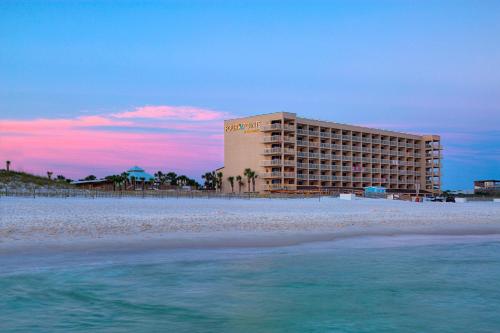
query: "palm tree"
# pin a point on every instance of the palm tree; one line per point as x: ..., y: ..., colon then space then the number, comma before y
x: 171, y: 177
x: 113, y: 180
x: 231, y: 181
x: 219, y: 180
x: 210, y: 180
x: 248, y: 173
x: 160, y: 178
x: 7, y: 165
x: 240, y: 183
x: 132, y: 180
x: 143, y: 182
x: 182, y: 180
x: 124, y: 179
x: 254, y: 175
x: 49, y: 174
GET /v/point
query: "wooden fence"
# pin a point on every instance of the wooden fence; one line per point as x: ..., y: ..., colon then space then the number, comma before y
x: 93, y: 194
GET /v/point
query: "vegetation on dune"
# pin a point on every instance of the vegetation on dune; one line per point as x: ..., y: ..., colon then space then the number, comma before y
x: 20, y: 179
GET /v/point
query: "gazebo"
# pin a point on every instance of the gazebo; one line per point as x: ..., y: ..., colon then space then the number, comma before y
x: 138, y: 175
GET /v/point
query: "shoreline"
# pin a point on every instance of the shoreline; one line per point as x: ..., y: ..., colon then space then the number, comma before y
x: 230, y: 240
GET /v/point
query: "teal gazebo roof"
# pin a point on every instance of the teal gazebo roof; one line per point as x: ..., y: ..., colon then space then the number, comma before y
x: 139, y: 173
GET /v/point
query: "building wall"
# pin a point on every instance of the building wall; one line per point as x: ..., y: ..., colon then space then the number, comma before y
x: 242, y: 149
x: 293, y: 153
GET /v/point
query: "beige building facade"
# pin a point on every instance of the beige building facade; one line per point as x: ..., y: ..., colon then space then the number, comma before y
x: 289, y: 153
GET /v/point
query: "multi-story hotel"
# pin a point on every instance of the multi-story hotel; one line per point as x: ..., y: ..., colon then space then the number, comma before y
x: 298, y: 154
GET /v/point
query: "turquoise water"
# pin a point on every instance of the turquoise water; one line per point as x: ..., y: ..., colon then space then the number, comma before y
x: 350, y: 286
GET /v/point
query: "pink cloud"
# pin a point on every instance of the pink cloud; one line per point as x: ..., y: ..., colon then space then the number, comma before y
x: 105, y: 144
x: 172, y: 112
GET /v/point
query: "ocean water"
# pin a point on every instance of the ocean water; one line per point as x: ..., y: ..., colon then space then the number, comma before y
x: 378, y: 284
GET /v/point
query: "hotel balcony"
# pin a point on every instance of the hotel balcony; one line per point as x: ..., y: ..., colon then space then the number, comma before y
x: 277, y: 127
x: 272, y: 151
x: 271, y: 127
x: 313, y: 155
x: 302, y: 131
x: 278, y: 162
x: 273, y: 138
x: 271, y: 162
x: 272, y: 175
x: 302, y: 154
x: 277, y: 187
x: 302, y: 165
x: 301, y: 143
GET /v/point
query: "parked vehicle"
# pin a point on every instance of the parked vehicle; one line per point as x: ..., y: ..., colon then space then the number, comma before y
x: 450, y: 199
x: 437, y: 199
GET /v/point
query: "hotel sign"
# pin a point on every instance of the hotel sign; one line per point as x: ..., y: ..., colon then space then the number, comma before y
x: 250, y: 127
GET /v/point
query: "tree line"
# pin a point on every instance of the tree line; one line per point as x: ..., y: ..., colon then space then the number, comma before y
x: 214, y: 180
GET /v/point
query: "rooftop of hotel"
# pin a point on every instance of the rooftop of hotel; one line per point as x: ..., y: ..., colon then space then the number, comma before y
x: 329, y: 123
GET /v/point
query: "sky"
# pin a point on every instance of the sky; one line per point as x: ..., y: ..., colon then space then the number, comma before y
x: 95, y: 87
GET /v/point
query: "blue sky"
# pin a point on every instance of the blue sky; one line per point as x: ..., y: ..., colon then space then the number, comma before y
x: 415, y: 66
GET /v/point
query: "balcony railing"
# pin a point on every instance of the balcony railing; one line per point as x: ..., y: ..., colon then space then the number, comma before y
x: 272, y: 151
x: 273, y: 138
x: 271, y: 127
x: 272, y: 174
x: 271, y: 162
x: 302, y: 154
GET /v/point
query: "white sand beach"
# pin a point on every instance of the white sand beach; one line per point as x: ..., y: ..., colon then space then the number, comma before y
x: 73, y: 222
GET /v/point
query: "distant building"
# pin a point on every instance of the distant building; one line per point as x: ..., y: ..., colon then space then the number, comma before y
x: 95, y: 184
x: 487, y: 187
x: 136, y: 177
x: 290, y: 153
x: 139, y: 174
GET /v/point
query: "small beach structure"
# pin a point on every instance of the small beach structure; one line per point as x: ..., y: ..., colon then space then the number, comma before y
x: 138, y: 173
x: 95, y: 184
x: 375, y: 192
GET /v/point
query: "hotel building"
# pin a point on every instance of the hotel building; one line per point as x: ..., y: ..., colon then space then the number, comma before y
x: 290, y: 153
